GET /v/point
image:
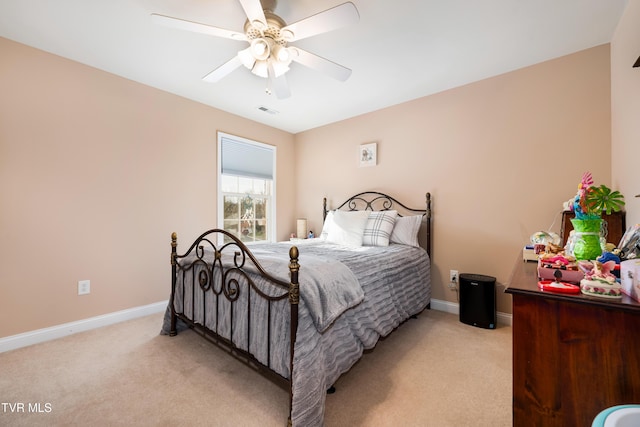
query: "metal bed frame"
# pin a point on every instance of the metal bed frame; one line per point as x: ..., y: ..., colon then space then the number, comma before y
x: 206, y: 253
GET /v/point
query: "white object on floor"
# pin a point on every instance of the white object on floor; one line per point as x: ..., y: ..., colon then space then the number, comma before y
x: 618, y: 416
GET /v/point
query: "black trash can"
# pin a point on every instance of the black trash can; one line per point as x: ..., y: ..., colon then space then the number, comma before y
x: 478, y: 300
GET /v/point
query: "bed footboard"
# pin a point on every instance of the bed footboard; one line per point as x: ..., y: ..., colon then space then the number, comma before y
x: 220, y: 289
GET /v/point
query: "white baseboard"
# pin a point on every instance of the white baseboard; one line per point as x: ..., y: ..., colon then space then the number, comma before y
x: 454, y: 308
x: 446, y: 306
x: 41, y: 335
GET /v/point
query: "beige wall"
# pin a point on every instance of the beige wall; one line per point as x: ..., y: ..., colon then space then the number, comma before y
x: 625, y: 109
x: 499, y: 156
x: 95, y: 173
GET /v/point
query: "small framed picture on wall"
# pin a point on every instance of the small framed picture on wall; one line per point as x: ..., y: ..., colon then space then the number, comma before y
x: 368, y: 154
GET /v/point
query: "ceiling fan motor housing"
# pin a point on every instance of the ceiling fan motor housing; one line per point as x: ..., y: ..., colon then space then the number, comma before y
x: 274, y: 25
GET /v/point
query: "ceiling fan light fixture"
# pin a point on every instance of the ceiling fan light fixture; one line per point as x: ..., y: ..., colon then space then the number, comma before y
x: 260, y: 49
x: 246, y: 57
x: 279, y: 68
x: 281, y: 54
x: 261, y: 69
x: 286, y: 34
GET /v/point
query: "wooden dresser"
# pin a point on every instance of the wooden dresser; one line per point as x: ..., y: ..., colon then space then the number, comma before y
x: 573, y: 355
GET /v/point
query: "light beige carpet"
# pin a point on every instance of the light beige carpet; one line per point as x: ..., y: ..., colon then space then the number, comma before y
x: 432, y: 371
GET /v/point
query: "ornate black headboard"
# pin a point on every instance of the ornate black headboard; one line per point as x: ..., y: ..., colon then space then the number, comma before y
x: 376, y: 201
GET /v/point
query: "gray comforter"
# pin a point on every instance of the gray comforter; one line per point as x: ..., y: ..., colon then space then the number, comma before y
x: 384, y: 286
x: 330, y: 287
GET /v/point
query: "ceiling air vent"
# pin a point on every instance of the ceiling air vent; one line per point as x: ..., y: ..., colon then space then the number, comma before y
x: 267, y: 110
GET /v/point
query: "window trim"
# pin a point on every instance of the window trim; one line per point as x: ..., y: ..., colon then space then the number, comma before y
x: 271, y: 213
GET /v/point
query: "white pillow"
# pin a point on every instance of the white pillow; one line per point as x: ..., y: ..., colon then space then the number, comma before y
x: 348, y: 227
x: 379, y: 227
x: 405, y: 230
x: 327, y: 225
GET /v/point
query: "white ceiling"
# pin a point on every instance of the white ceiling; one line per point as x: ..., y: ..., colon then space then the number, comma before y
x: 400, y: 50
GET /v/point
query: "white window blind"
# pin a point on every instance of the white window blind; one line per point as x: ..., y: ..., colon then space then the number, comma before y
x: 244, y: 159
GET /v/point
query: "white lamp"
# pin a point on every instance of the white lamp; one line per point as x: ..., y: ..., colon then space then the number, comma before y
x: 302, y: 228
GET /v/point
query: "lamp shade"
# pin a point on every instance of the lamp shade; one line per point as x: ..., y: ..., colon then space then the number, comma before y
x: 260, y: 48
x: 261, y: 68
x: 281, y: 54
x: 302, y: 228
x: 246, y: 57
x: 276, y: 69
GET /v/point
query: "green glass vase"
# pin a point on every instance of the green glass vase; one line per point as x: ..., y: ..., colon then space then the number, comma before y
x: 587, y: 243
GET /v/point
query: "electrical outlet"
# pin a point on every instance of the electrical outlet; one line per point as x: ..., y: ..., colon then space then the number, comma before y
x: 84, y: 287
x: 453, y: 278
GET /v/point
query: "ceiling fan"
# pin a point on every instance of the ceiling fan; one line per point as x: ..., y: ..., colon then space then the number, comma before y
x: 269, y: 54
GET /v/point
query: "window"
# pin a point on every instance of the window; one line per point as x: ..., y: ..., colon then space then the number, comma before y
x: 246, y: 183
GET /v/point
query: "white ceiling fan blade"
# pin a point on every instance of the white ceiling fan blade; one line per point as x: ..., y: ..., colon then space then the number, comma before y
x: 316, y: 62
x: 196, y: 27
x: 223, y: 70
x: 329, y: 20
x: 254, y: 12
x: 279, y: 84
x: 281, y: 87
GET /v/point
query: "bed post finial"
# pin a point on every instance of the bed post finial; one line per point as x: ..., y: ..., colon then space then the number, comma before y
x: 428, y: 205
x: 174, y: 245
x: 324, y: 209
x: 294, y: 267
